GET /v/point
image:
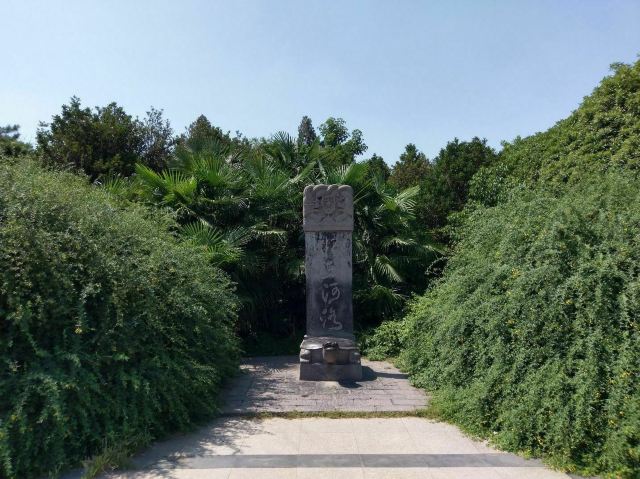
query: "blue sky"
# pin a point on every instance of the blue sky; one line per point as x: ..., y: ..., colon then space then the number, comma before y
x: 401, y: 71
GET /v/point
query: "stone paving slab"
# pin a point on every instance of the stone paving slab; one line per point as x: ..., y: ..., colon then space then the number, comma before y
x: 371, y: 448
x: 235, y: 446
x: 271, y: 385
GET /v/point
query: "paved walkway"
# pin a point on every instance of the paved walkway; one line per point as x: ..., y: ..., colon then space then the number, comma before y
x: 271, y: 384
x: 236, y: 446
x: 375, y: 448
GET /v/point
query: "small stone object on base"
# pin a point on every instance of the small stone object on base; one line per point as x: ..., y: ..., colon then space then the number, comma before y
x: 329, y: 359
x: 329, y: 351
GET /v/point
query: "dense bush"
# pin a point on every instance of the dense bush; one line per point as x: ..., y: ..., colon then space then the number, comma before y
x: 384, y: 342
x: 110, y: 328
x: 531, y: 336
x: 602, y: 135
x: 533, y: 333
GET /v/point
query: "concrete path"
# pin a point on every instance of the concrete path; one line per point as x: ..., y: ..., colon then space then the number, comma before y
x: 236, y: 446
x: 398, y: 448
x: 271, y: 384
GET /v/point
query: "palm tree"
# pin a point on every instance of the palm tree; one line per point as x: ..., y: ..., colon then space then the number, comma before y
x: 243, y: 207
x: 390, y: 258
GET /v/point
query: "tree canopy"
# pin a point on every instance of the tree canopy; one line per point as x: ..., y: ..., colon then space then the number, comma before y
x: 445, y: 186
x: 104, y: 141
x: 410, y: 169
x: 341, y: 146
x: 306, y: 132
x: 10, y: 144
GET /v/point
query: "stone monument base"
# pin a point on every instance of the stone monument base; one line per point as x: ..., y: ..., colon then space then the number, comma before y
x: 329, y: 358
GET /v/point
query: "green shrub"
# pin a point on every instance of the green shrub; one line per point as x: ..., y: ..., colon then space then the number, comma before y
x: 602, y: 135
x: 383, y: 342
x: 532, y: 336
x: 110, y: 328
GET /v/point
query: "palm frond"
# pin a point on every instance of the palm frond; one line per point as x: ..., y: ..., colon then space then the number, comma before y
x: 397, y: 241
x: 304, y: 174
x: 223, y: 247
x: 202, y: 233
x: 215, y: 171
x: 117, y: 185
x: 178, y: 187
x: 406, y: 199
x: 149, y: 177
x: 383, y: 298
x: 262, y: 230
x: 353, y: 174
x: 238, y: 236
x: 383, y: 266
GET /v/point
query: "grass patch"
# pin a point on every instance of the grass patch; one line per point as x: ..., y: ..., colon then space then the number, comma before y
x: 114, y: 456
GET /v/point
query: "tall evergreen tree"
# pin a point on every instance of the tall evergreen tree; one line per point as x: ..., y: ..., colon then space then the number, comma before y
x: 201, y: 134
x: 158, y: 140
x: 378, y: 168
x: 306, y: 132
x: 411, y: 169
x: 445, y: 187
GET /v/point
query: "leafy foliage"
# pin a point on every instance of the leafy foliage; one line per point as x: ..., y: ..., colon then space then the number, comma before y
x: 531, y: 336
x: 242, y: 211
x: 242, y: 205
x: 384, y: 342
x: 341, y: 147
x: 411, y: 168
x: 445, y: 186
x: 110, y: 328
x: 602, y: 135
x: 10, y: 144
x: 104, y: 142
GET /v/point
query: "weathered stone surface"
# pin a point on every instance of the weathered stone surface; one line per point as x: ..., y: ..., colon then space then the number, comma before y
x: 327, y: 208
x: 328, y: 272
x: 330, y: 372
x: 329, y: 352
x: 272, y: 385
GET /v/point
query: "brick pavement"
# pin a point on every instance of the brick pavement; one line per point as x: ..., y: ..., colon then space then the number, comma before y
x: 271, y: 384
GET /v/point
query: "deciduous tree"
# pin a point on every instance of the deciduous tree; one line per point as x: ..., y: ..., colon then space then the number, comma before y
x: 104, y: 141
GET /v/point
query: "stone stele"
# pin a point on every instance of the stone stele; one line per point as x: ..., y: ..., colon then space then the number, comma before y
x: 328, y: 351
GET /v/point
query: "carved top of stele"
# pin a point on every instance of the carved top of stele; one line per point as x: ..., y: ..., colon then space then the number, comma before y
x: 327, y: 208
